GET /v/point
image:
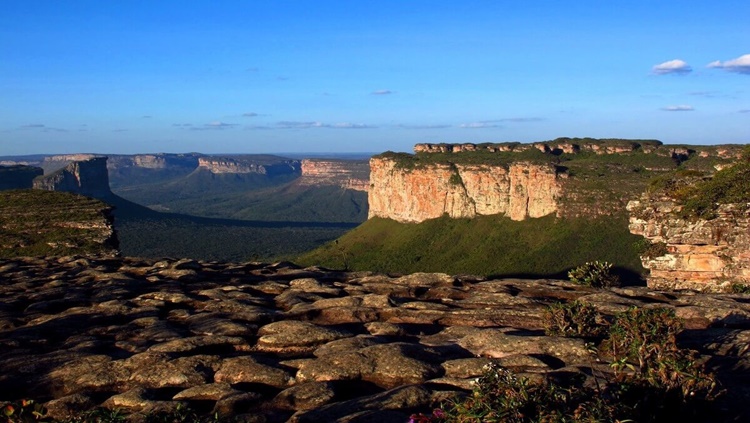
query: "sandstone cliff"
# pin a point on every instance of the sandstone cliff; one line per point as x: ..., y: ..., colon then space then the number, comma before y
x: 707, y: 255
x: 18, y: 177
x: 89, y: 177
x: 519, y: 191
x: 348, y: 174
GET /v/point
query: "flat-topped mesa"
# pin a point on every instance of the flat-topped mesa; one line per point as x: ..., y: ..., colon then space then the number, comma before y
x: 705, y: 255
x: 219, y: 165
x: 18, y: 176
x: 348, y: 174
x: 88, y: 177
x: 585, y: 145
x: 519, y: 190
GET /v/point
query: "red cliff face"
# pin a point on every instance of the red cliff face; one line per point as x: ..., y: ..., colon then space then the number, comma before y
x: 706, y: 255
x: 413, y: 195
x: 348, y: 174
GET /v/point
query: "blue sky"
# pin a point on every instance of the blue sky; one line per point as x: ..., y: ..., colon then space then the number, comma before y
x: 360, y: 76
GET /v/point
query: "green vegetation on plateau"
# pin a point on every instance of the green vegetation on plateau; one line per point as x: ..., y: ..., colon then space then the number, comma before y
x: 485, y: 245
x: 36, y: 223
x: 729, y: 185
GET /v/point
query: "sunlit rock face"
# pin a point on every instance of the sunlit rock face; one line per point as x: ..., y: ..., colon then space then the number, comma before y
x: 707, y: 255
x: 518, y: 191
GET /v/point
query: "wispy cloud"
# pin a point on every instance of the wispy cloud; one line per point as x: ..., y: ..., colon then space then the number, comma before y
x: 382, y: 92
x: 479, y: 125
x: 438, y: 126
x: 249, y: 114
x: 678, y: 108
x: 252, y: 69
x: 745, y: 111
x: 516, y: 119
x: 738, y: 65
x: 216, y: 125
x: 672, y: 67
x: 40, y: 127
x: 307, y: 125
x: 120, y: 130
x: 146, y: 117
x: 291, y: 124
x: 181, y: 125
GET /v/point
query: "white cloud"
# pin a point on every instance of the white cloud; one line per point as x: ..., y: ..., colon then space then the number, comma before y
x: 678, y: 108
x: 348, y: 125
x: 479, y: 125
x: 672, y: 67
x: 217, y: 125
x: 308, y: 125
x: 382, y: 92
x: 437, y: 126
x: 738, y: 65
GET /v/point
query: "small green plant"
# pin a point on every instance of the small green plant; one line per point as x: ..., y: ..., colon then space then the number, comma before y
x: 573, y: 319
x: 643, y: 347
x: 597, y: 274
x: 739, y: 288
x: 650, y: 249
x: 180, y: 414
x: 25, y: 411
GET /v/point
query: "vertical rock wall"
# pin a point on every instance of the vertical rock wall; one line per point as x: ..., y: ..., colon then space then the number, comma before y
x: 462, y: 191
x: 88, y: 177
x: 706, y: 255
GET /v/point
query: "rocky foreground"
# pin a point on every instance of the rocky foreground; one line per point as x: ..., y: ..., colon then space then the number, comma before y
x: 275, y: 343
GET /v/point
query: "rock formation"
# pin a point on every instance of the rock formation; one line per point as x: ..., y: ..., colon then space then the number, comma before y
x: 88, y: 177
x: 707, y: 255
x: 276, y: 343
x: 38, y: 222
x: 18, y: 176
x: 519, y: 191
x: 218, y: 165
x: 348, y: 174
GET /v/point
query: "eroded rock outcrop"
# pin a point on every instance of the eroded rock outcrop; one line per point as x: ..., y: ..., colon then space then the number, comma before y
x: 88, y: 177
x: 219, y: 165
x: 707, y: 255
x: 348, y: 174
x: 278, y: 343
x: 519, y: 191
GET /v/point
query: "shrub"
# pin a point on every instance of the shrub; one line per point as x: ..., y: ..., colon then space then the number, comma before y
x: 573, y: 319
x: 645, y: 356
x: 597, y: 274
x: 500, y: 396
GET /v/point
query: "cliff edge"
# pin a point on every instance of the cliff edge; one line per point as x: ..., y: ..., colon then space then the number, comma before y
x: 519, y: 190
x: 88, y: 177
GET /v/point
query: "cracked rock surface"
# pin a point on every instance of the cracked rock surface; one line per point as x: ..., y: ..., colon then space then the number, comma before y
x: 277, y: 343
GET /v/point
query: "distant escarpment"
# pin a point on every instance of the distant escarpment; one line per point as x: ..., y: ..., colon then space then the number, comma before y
x: 88, y: 177
x: 18, y: 176
x: 348, y: 174
x: 38, y: 223
x: 220, y: 165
